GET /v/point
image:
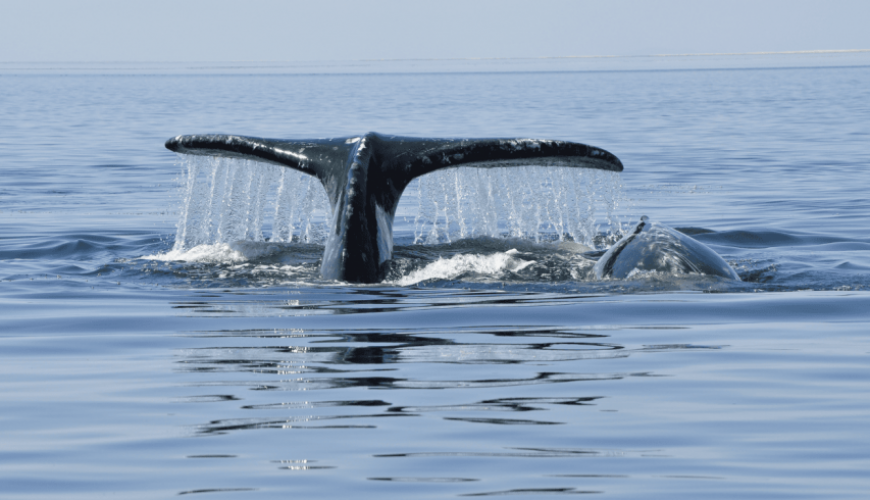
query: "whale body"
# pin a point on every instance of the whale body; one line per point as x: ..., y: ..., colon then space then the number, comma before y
x: 653, y: 247
x: 364, y: 177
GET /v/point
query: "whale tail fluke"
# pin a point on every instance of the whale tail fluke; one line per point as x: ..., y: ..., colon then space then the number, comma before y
x: 305, y: 156
x: 364, y: 177
x: 402, y: 157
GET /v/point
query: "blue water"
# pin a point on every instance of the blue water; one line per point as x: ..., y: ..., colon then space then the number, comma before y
x: 485, y: 365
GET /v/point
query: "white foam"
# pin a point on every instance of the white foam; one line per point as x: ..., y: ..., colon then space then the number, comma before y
x: 219, y: 253
x: 493, y: 265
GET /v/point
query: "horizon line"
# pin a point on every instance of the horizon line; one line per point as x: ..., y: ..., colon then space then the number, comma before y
x: 699, y: 54
x: 434, y: 59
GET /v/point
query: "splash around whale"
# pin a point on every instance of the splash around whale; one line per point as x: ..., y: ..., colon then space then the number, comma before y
x: 364, y: 177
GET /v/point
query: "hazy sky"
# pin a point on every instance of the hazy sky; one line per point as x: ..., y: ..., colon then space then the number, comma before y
x: 272, y: 30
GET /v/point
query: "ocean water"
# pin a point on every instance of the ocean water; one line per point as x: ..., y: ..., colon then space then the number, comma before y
x: 164, y: 330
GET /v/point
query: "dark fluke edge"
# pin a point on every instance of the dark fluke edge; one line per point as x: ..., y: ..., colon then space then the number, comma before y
x: 658, y: 248
x: 365, y: 176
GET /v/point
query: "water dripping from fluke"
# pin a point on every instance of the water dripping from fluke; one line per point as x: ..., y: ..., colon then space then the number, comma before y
x: 476, y: 187
x: 258, y: 223
x: 247, y: 223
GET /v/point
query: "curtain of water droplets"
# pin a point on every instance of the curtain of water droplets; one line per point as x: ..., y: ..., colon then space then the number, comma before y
x: 228, y: 200
x: 538, y: 203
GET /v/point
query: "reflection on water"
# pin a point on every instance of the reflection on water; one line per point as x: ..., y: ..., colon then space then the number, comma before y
x: 451, y: 393
x: 336, y: 360
x: 468, y: 407
x: 463, y: 369
x: 215, y: 490
x: 424, y: 479
x: 532, y: 491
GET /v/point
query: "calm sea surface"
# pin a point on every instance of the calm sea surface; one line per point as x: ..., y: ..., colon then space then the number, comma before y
x: 484, y: 366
